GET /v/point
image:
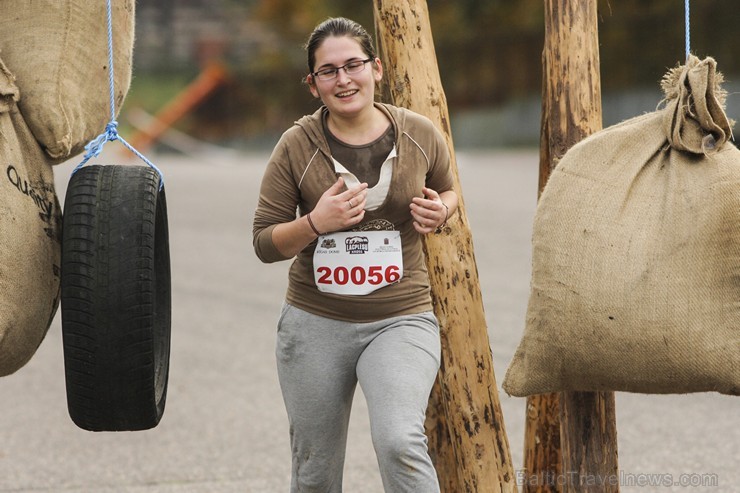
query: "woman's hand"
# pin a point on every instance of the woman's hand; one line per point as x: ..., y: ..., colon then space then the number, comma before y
x: 429, y: 212
x: 337, y: 210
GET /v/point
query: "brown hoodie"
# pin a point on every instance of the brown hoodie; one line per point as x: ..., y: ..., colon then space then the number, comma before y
x: 300, y: 170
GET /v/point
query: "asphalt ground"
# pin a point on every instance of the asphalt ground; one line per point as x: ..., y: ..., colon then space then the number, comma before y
x: 225, y: 427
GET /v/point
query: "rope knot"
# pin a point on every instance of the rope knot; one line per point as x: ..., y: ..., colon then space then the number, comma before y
x: 95, y: 146
x: 111, y: 130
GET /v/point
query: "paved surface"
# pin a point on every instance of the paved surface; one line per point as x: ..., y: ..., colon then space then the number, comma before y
x: 225, y: 429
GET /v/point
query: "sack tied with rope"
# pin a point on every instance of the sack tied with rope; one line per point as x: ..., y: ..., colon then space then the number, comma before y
x: 30, y: 236
x: 636, y: 255
x: 57, y: 50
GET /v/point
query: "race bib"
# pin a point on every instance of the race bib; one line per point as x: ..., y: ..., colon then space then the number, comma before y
x: 357, y: 263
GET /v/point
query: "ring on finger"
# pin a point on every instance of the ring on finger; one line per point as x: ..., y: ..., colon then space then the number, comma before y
x: 351, y: 205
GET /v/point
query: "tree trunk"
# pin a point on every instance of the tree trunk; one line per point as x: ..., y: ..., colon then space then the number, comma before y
x: 571, y: 110
x: 473, y: 456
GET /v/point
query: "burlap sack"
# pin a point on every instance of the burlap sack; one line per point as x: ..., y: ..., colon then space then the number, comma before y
x: 58, y: 51
x: 636, y: 255
x: 30, y: 236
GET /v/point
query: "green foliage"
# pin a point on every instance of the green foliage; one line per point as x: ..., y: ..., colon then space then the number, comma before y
x: 150, y: 92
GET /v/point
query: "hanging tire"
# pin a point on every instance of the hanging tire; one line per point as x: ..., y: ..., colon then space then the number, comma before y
x: 116, y: 305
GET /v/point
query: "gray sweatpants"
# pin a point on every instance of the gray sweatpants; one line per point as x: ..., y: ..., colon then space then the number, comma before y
x: 320, y: 361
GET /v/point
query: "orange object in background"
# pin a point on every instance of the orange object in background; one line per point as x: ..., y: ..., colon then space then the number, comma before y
x: 212, y: 76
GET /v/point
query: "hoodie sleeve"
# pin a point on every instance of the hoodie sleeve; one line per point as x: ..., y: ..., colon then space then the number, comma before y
x: 439, y: 176
x: 432, y: 143
x: 278, y: 202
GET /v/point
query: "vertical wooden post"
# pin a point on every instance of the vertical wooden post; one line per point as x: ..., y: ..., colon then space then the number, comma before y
x: 542, y: 453
x: 589, y: 437
x: 466, y: 397
x: 571, y: 110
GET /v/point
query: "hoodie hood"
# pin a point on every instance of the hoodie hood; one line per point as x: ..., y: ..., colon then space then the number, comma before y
x: 314, y: 129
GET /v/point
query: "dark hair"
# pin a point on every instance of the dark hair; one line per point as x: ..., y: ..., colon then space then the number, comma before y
x: 338, y: 26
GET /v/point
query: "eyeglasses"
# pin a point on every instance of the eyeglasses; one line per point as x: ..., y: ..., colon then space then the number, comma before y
x: 353, y: 67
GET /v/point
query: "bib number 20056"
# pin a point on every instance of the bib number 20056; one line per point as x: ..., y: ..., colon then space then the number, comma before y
x: 357, y: 263
x: 374, y: 274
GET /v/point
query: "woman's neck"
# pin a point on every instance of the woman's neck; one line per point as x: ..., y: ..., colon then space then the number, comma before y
x: 360, y: 129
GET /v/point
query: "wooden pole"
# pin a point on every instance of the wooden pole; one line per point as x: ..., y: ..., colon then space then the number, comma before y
x: 571, y: 110
x: 589, y: 430
x: 542, y: 453
x: 473, y: 454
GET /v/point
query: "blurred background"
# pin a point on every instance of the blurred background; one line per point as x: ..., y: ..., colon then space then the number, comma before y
x: 227, y: 75
x: 488, y: 51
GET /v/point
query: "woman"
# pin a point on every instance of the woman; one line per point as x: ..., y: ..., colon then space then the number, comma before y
x: 367, y: 179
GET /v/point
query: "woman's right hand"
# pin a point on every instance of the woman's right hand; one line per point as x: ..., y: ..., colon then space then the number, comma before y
x: 339, y: 209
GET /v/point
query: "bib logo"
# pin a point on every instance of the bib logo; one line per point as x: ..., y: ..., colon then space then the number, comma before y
x: 356, y: 244
x: 329, y: 243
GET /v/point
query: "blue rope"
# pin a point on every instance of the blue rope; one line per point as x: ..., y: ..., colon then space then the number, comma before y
x: 111, y: 84
x: 95, y: 146
x: 688, y: 31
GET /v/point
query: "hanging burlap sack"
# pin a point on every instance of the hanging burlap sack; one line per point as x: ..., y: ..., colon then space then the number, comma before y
x: 58, y: 52
x: 636, y: 255
x: 30, y: 236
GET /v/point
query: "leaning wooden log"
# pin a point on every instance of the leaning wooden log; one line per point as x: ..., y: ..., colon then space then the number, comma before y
x: 586, y: 448
x: 474, y: 449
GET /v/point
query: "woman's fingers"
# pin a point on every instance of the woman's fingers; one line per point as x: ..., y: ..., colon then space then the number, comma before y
x: 353, y: 200
x: 428, y: 212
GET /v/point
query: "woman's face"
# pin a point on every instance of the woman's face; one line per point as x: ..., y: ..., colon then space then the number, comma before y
x: 346, y: 95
